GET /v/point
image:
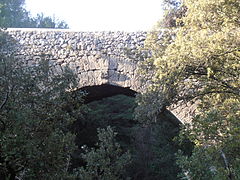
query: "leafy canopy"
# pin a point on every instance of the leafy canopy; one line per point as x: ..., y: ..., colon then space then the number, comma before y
x: 107, y: 161
x: 36, y: 111
x: 199, y: 61
x: 13, y: 14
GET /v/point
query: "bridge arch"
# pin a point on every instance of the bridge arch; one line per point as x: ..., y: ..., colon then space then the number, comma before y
x: 97, y: 58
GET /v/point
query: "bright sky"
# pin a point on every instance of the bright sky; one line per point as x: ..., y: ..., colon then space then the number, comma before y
x: 99, y: 15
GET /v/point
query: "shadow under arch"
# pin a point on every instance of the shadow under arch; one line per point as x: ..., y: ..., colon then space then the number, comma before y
x: 98, y: 92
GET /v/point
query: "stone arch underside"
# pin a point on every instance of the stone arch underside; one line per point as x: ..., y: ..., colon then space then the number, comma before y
x: 105, y: 90
x: 114, y: 72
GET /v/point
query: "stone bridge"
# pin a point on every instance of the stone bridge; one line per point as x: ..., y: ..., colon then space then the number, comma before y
x: 96, y: 57
x: 107, y: 61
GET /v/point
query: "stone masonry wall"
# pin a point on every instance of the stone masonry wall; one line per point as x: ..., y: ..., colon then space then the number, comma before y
x: 97, y: 57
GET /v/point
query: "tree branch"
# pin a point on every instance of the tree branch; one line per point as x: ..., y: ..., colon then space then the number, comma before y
x: 6, y: 97
x: 5, y: 100
x: 230, y: 176
x: 234, y: 90
x: 201, y: 71
x: 227, y: 52
x: 3, y: 104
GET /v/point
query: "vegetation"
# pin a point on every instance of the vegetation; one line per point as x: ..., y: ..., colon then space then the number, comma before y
x: 101, y: 114
x: 198, y: 62
x: 34, y: 109
x: 14, y: 15
x: 35, y: 114
x: 107, y: 161
x: 145, y: 143
x: 154, y: 149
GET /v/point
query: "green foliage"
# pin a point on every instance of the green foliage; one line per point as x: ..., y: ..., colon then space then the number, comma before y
x: 203, y: 65
x: 150, y: 105
x: 216, y: 137
x: 151, y: 146
x: 36, y: 110
x: 115, y: 111
x: 199, y: 62
x: 42, y: 21
x: 111, y: 111
x: 107, y: 161
x: 153, y: 155
x: 164, y: 163
x: 173, y: 11
x: 14, y: 15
